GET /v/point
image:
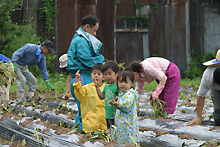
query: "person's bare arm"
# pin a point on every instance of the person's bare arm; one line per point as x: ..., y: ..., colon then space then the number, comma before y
x: 67, y: 93
x: 163, y: 80
x: 101, y: 96
x: 198, y: 119
x: 68, y: 83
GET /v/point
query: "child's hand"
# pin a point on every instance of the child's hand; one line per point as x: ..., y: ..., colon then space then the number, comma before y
x: 96, y: 84
x: 112, y: 102
x: 77, y: 76
x: 115, y: 98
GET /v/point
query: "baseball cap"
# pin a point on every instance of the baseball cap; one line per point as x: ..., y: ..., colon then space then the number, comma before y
x: 49, y: 45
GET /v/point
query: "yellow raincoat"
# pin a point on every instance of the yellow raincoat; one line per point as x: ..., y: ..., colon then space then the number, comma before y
x: 92, y: 108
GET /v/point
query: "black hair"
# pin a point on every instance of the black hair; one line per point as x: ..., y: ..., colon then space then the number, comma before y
x: 97, y: 66
x: 135, y: 66
x: 110, y: 65
x: 123, y: 76
x: 216, y: 76
x: 89, y: 19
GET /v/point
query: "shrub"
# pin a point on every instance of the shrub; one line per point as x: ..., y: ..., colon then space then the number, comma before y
x: 14, y: 36
x: 196, y: 67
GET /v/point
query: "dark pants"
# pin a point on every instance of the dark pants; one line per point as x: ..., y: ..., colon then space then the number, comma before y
x: 110, y: 122
x: 215, y: 95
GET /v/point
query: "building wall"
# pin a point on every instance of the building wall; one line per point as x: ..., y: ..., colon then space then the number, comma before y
x: 211, y: 30
x: 177, y: 28
x: 196, y: 27
x: 177, y: 31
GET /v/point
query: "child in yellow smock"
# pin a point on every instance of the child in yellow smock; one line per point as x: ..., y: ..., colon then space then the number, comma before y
x: 92, y: 108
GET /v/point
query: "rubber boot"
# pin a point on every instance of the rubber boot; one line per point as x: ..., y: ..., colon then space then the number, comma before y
x: 30, y: 93
x: 20, y: 94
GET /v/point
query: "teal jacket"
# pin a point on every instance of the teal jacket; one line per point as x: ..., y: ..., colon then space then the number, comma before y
x: 83, y: 52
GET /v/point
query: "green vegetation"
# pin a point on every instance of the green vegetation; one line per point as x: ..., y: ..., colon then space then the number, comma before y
x: 158, y: 108
x: 196, y: 68
x: 183, y: 82
x: 58, y: 81
x: 6, y: 73
x: 146, y: 20
x: 47, y: 14
x: 13, y: 36
x: 103, y: 135
x: 7, y: 108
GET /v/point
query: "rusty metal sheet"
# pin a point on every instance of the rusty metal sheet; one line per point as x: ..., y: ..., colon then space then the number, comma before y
x: 196, y: 27
x: 126, y: 2
x: 157, y: 33
x: 180, y: 1
x: 83, y: 10
x: 86, y: 2
x: 106, y: 30
x: 126, y: 10
x: 129, y: 47
x: 148, y: 2
x: 178, y: 46
x: 66, y: 2
x: 109, y: 2
x: 66, y: 21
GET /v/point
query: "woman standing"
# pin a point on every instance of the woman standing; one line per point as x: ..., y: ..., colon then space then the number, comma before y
x: 165, y: 73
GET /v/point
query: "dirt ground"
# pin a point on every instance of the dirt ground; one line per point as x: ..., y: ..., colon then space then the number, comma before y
x: 11, y: 143
x: 45, y: 94
x: 58, y: 130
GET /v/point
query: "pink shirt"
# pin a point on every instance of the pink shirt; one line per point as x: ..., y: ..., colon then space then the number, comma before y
x: 153, y: 68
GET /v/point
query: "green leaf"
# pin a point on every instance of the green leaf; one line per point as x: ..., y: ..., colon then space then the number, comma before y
x: 23, y: 142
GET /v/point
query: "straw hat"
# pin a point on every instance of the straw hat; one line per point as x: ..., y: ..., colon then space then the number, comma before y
x: 63, y: 61
x: 214, y: 62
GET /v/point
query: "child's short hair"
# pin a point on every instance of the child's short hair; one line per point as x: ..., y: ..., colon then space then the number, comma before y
x: 110, y: 64
x: 97, y: 66
x: 124, y: 74
x: 216, y: 77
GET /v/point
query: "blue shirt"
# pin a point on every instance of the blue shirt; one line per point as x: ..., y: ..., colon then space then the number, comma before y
x: 4, y: 58
x: 28, y: 55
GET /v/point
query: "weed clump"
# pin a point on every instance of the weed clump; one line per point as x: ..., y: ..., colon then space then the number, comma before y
x: 158, y: 110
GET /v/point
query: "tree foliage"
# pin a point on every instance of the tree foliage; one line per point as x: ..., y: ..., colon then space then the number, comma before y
x: 14, y: 36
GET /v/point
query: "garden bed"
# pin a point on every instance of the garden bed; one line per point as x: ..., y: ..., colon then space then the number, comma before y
x: 47, y: 120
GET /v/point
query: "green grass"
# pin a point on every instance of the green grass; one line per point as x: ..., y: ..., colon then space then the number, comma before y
x: 189, y: 82
x: 58, y: 81
x: 183, y: 82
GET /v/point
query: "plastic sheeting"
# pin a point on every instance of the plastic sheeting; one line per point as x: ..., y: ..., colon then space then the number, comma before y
x: 147, y: 138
